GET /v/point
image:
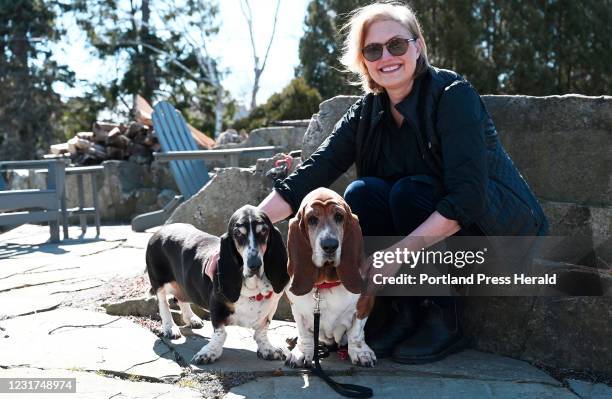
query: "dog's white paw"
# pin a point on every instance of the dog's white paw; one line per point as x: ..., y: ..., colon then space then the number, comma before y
x: 362, y: 355
x: 194, y: 322
x: 172, y: 332
x: 269, y: 352
x: 298, y: 359
x: 207, y: 355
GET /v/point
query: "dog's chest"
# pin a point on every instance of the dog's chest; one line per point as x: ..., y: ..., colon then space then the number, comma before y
x: 251, y: 312
x: 337, y: 306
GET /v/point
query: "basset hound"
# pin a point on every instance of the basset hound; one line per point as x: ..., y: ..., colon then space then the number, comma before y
x: 244, y: 289
x: 325, y: 249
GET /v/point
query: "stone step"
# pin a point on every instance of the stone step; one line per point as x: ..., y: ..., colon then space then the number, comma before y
x: 398, y: 387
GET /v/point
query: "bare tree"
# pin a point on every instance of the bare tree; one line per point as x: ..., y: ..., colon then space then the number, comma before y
x: 257, y: 68
x: 195, y: 32
x: 210, y: 76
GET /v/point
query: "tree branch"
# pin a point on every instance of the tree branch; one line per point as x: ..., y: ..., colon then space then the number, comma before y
x: 171, y: 59
x: 249, y: 18
x: 271, y: 36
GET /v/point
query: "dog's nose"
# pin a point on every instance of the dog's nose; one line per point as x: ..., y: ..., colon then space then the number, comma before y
x: 329, y: 245
x: 253, y: 262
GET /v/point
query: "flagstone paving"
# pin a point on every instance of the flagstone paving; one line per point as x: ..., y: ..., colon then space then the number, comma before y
x: 52, y: 324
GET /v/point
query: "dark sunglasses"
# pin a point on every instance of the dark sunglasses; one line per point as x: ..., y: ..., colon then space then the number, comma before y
x: 396, y: 46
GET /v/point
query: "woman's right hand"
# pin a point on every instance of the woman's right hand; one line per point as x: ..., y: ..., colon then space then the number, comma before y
x: 275, y: 206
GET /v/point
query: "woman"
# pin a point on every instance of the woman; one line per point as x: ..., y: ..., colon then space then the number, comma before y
x: 429, y: 164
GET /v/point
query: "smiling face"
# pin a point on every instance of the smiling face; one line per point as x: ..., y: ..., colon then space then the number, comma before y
x: 394, y: 73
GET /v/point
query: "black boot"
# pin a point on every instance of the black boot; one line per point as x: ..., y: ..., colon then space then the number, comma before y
x: 439, y: 335
x: 401, y: 325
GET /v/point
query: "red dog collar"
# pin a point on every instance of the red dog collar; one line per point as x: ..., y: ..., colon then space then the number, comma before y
x: 261, y: 297
x: 323, y: 286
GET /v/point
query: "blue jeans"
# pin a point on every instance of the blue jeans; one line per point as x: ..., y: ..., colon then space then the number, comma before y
x: 395, y: 208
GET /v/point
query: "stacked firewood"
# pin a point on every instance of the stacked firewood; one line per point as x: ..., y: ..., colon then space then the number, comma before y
x: 110, y: 141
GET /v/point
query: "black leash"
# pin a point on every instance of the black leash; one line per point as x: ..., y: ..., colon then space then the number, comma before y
x: 348, y: 390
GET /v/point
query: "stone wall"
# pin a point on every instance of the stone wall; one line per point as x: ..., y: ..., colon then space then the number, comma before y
x: 571, y: 333
x: 286, y: 138
x: 230, y: 189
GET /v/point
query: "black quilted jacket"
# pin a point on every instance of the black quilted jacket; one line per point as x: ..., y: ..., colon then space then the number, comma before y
x: 458, y: 141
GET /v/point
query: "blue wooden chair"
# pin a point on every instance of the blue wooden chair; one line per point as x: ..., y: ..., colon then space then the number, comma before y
x: 187, y: 163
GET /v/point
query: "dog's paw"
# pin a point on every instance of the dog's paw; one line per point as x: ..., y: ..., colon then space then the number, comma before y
x: 206, y: 355
x: 362, y: 355
x: 194, y: 322
x: 269, y: 352
x: 172, y: 332
x: 298, y: 359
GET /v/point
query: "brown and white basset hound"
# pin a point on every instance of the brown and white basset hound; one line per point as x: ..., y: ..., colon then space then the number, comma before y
x: 325, y: 250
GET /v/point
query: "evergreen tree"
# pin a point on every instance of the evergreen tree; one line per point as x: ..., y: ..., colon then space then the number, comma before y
x: 296, y: 101
x: 123, y: 29
x: 29, y: 108
x: 539, y: 47
x: 320, y: 47
x: 168, y: 63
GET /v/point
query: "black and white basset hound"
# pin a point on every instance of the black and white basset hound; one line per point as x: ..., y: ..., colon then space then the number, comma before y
x: 244, y: 289
x: 325, y: 247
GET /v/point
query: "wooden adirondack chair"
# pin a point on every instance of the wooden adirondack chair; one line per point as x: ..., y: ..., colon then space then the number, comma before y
x: 186, y: 161
x: 36, y: 206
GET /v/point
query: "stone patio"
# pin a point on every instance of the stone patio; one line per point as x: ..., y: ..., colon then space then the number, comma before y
x: 52, y: 324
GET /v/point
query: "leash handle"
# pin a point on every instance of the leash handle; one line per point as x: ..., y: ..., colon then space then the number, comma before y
x: 347, y: 390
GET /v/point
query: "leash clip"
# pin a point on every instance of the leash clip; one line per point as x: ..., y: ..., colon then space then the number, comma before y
x: 317, y: 298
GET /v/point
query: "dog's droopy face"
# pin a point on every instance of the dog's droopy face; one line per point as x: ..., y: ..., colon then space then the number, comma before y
x: 324, y: 237
x: 249, y: 230
x: 251, y: 248
x: 325, y: 225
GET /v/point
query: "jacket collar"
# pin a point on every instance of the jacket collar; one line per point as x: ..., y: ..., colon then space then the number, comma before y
x: 408, y: 107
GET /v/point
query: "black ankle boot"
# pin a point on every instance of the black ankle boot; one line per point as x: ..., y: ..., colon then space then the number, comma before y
x: 439, y: 335
x: 401, y: 326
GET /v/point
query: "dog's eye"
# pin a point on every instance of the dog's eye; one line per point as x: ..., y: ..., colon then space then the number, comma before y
x: 238, y: 233
x: 263, y: 230
x: 312, y: 220
x: 338, y: 217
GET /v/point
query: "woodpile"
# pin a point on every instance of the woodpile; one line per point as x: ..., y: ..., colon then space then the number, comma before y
x: 108, y: 140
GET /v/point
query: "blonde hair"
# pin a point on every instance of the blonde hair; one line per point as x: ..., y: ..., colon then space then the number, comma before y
x: 361, y: 19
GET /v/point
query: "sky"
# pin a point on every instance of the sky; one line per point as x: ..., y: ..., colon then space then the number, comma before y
x: 232, y: 47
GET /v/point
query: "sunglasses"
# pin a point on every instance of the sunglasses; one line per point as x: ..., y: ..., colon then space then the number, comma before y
x: 396, y: 46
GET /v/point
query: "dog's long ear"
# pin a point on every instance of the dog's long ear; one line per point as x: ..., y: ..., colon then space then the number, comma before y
x: 275, y: 259
x: 228, y: 278
x: 352, y: 255
x: 300, y: 265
